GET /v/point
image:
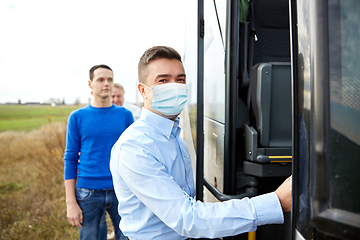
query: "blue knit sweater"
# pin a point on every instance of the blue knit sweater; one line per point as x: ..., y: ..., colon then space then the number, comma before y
x: 92, y: 132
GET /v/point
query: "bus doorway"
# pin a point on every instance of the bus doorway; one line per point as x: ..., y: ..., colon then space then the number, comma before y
x: 277, y: 94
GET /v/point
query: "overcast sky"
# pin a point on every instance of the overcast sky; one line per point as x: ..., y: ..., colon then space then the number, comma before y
x: 47, y: 47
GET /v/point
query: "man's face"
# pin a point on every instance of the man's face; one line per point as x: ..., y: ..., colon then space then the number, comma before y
x: 117, y: 96
x: 102, y: 83
x: 161, y: 71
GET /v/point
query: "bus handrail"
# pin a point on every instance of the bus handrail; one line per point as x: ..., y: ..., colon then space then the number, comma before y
x: 224, y: 197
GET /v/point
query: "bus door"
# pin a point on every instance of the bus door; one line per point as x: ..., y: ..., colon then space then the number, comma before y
x: 326, y: 70
x: 246, y: 116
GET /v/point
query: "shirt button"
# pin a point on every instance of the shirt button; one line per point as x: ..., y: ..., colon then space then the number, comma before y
x: 167, y: 134
x: 189, y: 179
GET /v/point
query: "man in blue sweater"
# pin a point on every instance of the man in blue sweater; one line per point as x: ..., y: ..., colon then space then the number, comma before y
x: 92, y: 131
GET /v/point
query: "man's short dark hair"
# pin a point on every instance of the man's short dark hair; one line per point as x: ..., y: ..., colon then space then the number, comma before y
x: 154, y: 53
x: 92, y: 70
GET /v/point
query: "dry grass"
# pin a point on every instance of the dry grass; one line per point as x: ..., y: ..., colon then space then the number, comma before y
x: 32, y: 196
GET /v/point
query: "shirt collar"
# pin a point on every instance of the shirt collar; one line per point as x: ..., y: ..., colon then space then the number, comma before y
x: 166, y: 126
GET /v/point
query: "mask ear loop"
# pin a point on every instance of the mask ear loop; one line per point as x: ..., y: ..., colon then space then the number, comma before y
x: 148, y: 88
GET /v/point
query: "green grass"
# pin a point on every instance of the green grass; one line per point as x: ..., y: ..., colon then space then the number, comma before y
x: 28, y: 117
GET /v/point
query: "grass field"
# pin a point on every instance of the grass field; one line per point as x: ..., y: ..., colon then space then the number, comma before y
x: 28, y: 117
x: 32, y: 196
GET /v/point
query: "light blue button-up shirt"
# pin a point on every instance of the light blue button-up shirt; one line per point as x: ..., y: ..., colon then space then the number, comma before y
x: 153, y: 181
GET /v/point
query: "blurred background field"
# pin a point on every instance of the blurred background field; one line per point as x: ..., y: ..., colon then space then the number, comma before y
x: 28, y: 117
x: 32, y: 196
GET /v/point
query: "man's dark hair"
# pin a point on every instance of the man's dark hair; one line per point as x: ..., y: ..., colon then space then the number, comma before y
x: 154, y: 53
x: 92, y: 70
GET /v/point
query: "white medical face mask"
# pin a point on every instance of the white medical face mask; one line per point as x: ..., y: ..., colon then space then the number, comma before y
x: 169, y: 98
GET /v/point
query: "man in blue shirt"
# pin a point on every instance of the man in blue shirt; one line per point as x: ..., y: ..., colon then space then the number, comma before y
x: 92, y: 131
x: 152, y: 173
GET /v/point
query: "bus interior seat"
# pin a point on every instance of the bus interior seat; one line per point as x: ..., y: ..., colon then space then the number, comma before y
x: 265, y: 59
x: 269, y: 31
x: 271, y: 103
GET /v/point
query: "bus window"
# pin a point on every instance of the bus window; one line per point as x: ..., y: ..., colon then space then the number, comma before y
x: 344, y: 52
x: 327, y: 131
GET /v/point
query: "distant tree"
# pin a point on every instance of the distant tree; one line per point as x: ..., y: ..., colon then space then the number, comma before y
x: 19, y: 102
x: 77, y: 101
x: 57, y: 101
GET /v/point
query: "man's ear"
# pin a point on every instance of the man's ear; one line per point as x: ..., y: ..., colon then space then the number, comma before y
x: 89, y: 84
x: 141, y: 89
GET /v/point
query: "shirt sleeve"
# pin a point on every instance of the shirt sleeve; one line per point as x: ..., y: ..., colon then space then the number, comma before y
x: 149, y: 180
x: 72, y: 149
